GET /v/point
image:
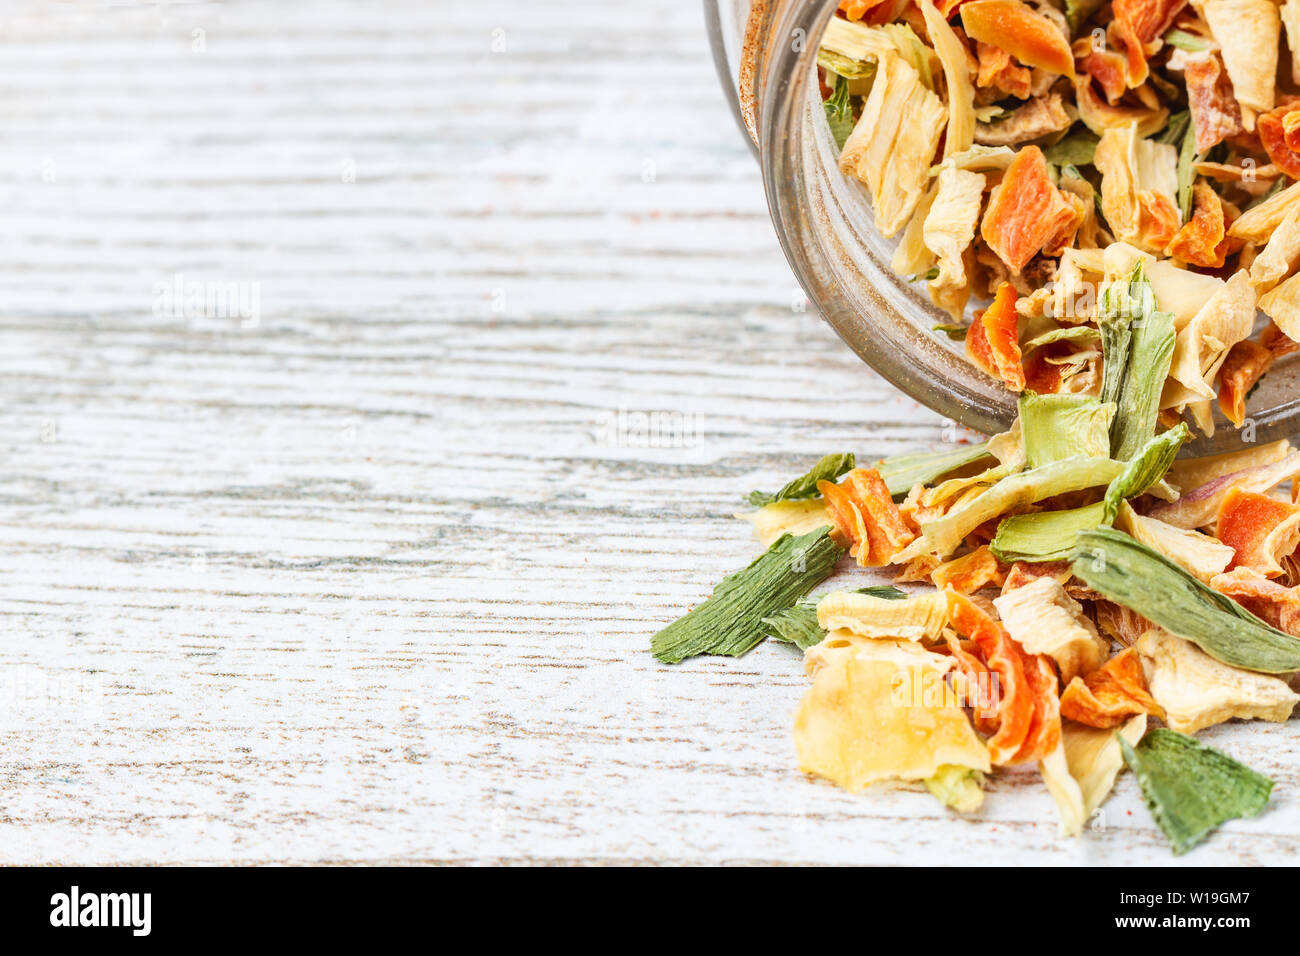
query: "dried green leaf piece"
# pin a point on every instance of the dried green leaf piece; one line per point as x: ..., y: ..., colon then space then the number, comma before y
x: 1190, y: 42
x: 1080, y: 335
x: 839, y: 113
x: 1191, y: 788
x: 805, y: 486
x: 1045, y: 536
x: 1114, y: 322
x: 798, y: 625
x: 901, y: 472
x: 955, y: 332
x: 1053, y: 535
x: 1175, y: 129
x: 845, y: 66
x: 1122, y: 570
x: 730, y: 620
x: 1076, y: 149
x: 1060, y: 426
x: 1146, y: 468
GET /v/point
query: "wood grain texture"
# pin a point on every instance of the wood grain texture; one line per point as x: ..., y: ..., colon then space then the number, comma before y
x: 373, y: 580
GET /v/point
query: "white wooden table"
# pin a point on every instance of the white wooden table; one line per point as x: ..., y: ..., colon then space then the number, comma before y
x: 372, y: 577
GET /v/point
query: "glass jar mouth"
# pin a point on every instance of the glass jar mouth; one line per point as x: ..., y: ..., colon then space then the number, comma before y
x: 826, y: 229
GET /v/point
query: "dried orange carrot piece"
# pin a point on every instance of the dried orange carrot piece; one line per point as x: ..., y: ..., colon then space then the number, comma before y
x: 1246, y: 519
x: 1291, y: 130
x: 1042, y: 376
x: 1028, y: 718
x: 1201, y: 241
x: 1245, y: 365
x: 1025, y: 211
x: 1044, y: 731
x: 1158, y: 218
x: 970, y: 572
x: 980, y: 692
x: 978, y: 349
x: 1024, y: 572
x: 1267, y: 600
x: 996, y: 70
x: 1148, y: 19
x: 1000, y: 328
x: 1277, y: 341
x: 1216, y: 116
x: 1271, y: 128
x: 1138, y: 23
x: 1026, y: 34
x: 1111, y: 694
x: 1110, y: 70
x: 857, y: 9
x: 865, y: 517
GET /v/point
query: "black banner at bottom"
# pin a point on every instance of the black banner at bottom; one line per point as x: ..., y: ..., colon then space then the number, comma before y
x: 332, y: 905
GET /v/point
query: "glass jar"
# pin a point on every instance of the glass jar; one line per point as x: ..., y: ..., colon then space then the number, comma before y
x: 766, y: 55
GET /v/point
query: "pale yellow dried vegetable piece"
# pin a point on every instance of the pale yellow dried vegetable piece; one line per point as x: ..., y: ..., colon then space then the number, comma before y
x: 1081, y: 772
x: 893, y: 144
x: 1187, y: 474
x: 950, y: 227
x: 1279, y: 258
x: 1248, y: 33
x: 1257, y: 224
x: 780, y: 517
x: 882, y: 710
x: 912, y: 257
x: 1197, y: 691
x: 960, y: 92
x: 1198, y: 554
x: 1204, y: 342
x: 918, y: 618
x: 1133, y: 168
x: 1046, y: 620
x: 1282, y: 305
x: 1290, y: 12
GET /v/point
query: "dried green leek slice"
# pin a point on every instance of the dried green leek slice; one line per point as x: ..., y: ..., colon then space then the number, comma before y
x: 1122, y: 570
x: 901, y: 472
x: 1137, y: 343
x: 961, y: 788
x: 943, y: 535
x: 1145, y: 469
x: 1045, y: 536
x: 1062, y: 426
x: 730, y: 621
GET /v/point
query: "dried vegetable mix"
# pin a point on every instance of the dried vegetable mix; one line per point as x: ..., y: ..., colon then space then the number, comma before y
x: 1104, y: 197
x: 1043, y: 612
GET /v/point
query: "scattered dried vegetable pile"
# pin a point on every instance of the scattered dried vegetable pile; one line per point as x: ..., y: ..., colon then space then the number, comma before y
x: 1024, y: 152
x: 1084, y: 581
